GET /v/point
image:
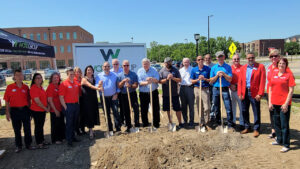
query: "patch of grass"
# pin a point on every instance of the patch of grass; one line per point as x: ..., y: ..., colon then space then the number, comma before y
x: 2, y: 116
x: 297, y: 77
x: 297, y: 89
x: 295, y: 108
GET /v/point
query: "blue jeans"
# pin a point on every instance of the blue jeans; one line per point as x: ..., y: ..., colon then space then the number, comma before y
x: 256, y: 110
x: 227, y: 103
x: 282, y: 127
x: 71, y: 115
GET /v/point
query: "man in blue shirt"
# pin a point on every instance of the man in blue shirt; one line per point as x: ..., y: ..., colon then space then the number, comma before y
x: 223, y: 70
x: 108, y: 81
x: 129, y: 79
x: 148, y: 76
x: 201, y: 72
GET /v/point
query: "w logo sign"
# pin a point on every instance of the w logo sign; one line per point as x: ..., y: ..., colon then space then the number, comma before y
x: 110, y: 52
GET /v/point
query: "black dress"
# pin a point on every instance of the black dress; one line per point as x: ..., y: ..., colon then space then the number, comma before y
x: 90, y: 105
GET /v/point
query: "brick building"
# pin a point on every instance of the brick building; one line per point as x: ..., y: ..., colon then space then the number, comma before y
x: 260, y: 47
x: 61, y: 37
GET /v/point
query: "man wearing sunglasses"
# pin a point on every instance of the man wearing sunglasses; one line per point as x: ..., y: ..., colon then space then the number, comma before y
x: 129, y: 79
x: 251, y: 87
x: 118, y: 70
x: 224, y: 71
x: 236, y: 69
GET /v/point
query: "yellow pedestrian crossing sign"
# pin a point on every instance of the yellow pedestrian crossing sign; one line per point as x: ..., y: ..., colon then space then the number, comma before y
x: 232, y: 49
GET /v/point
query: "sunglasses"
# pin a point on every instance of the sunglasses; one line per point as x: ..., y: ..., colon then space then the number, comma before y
x: 274, y: 56
x: 199, y: 59
x: 106, y: 66
x: 125, y: 65
x: 236, y: 59
x: 250, y: 58
x: 116, y: 64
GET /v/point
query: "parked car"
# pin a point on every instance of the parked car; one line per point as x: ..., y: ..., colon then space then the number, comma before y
x: 28, y: 73
x: 157, y: 67
x: 46, y: 70
x: 7, y: 72
x: 49, y: 73
x: 2, y: 81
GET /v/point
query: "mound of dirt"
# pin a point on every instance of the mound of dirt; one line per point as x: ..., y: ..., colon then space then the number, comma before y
x: 163, y: 149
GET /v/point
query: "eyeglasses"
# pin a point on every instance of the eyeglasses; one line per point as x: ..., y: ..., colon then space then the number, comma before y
x: 116, y: 64
x: 106, y: 66
x: 237, y: 59
x: 274, y: 56
x: 199, y: 59
x: 125, y: 65
x: 250, y: 58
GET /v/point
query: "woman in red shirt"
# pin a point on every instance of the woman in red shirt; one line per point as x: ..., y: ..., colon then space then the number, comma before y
x: 57, y: 117
x: 80, y: 122
x: 281, y: 90
x: 38, y: 107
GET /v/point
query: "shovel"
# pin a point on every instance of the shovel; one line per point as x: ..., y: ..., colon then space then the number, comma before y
x: 222, y: 130
x: 132, y: 129
x: 151, y: 129
x: 107, y: 133
x: 198, y: 128
x: 171, y: 126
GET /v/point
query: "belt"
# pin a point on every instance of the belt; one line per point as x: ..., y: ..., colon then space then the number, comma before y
x: 19, y: 108
x: 223, y: 88
x: 71, y: 103
x: 186, y: 86
x: 149, y: 92
x: 202, y: 87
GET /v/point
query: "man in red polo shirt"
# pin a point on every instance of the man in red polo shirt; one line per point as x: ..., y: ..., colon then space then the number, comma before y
x: 17, y: 101
x: 69, y: 97
x: 236, y: 69
x: 251, y: 87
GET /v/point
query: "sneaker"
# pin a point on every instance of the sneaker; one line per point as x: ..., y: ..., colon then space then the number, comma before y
x: 181, y: 125
x: 273, y: 135
x: 274, y: 143
x: 18, y: 149
x: 284, y: 149
x: 118, y: 129
x: 203, y: 129
x: 111, y: 133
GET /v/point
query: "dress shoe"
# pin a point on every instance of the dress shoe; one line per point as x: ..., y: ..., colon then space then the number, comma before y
x: 245, y: 131
x: 256, y: 133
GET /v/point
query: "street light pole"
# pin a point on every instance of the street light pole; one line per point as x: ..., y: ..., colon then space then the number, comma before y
x: 208, y: 44
x: 197, y: 37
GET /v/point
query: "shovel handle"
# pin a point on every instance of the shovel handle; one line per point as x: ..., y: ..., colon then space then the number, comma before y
x: 151, y: 102
x: 221, y: 100
x: 170, y: 99
x: 129, y: 101
x: 200, y: 100
x: 105, y: 111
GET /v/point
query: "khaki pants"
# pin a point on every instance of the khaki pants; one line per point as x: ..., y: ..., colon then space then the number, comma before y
x: 205, y: 112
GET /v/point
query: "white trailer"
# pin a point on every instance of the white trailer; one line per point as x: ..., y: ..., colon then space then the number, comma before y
x: 85, y: 54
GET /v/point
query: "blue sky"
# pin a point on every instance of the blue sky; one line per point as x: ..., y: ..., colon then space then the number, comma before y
x: 164, y: 21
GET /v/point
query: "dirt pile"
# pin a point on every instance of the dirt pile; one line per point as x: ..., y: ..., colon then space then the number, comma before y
x: 163, y: 149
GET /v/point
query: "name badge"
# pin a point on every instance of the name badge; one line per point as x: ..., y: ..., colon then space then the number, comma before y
x: 238, y: 70
x: 275, y: 77
x: 255, y: 68
x: 14, y: 90
x: 70, y: 87
x: 23, y: 91
x: 197, y: 73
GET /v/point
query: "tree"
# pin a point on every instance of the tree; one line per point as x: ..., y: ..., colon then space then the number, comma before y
x: 292, y: 48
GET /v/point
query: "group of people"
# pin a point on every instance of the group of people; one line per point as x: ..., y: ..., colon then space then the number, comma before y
x: 73, y: 103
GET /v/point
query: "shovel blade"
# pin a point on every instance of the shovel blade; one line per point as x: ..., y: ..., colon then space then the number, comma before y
x: 226, y: 129
x: 150, y: 130
x: 203, y: 129
x: 137, y: 129
x: 173, y: 127
x: 197, y: 128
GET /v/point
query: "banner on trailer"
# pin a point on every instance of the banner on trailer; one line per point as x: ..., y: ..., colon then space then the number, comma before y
x: 85, y: 54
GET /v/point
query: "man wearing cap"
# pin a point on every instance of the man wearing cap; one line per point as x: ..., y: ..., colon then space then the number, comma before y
x: 251, y: 87
x: 170, y: 73
x: 129, y: 79
x: 187, y: 92
x: 148, y: 76
x: 236, y: 69
x: 223, y: 70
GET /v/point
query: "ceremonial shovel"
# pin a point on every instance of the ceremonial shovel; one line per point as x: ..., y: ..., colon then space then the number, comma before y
x: 198, y: 128
x: 151, y: 129
x: 106, y: 134
x: 132, y: 129
x: 171, y: 126
x: 222, y: 130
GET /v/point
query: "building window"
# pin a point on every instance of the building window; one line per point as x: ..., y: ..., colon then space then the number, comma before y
x: 71, y: 63
x: 31, y: 36
x: 24, y: 35
x: 55, y: 49
x: 68, y: 35
x: 44, y: 64
x: 62, y: 49
x: 74, y: 35
x: 69, y: 48
x: 60, y: 63
x: 45, y: 36
x: 61, y: 35
x: 38, y: 36
x: 15, y: 65
x: 54, y: 36
x: 31, y: 65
